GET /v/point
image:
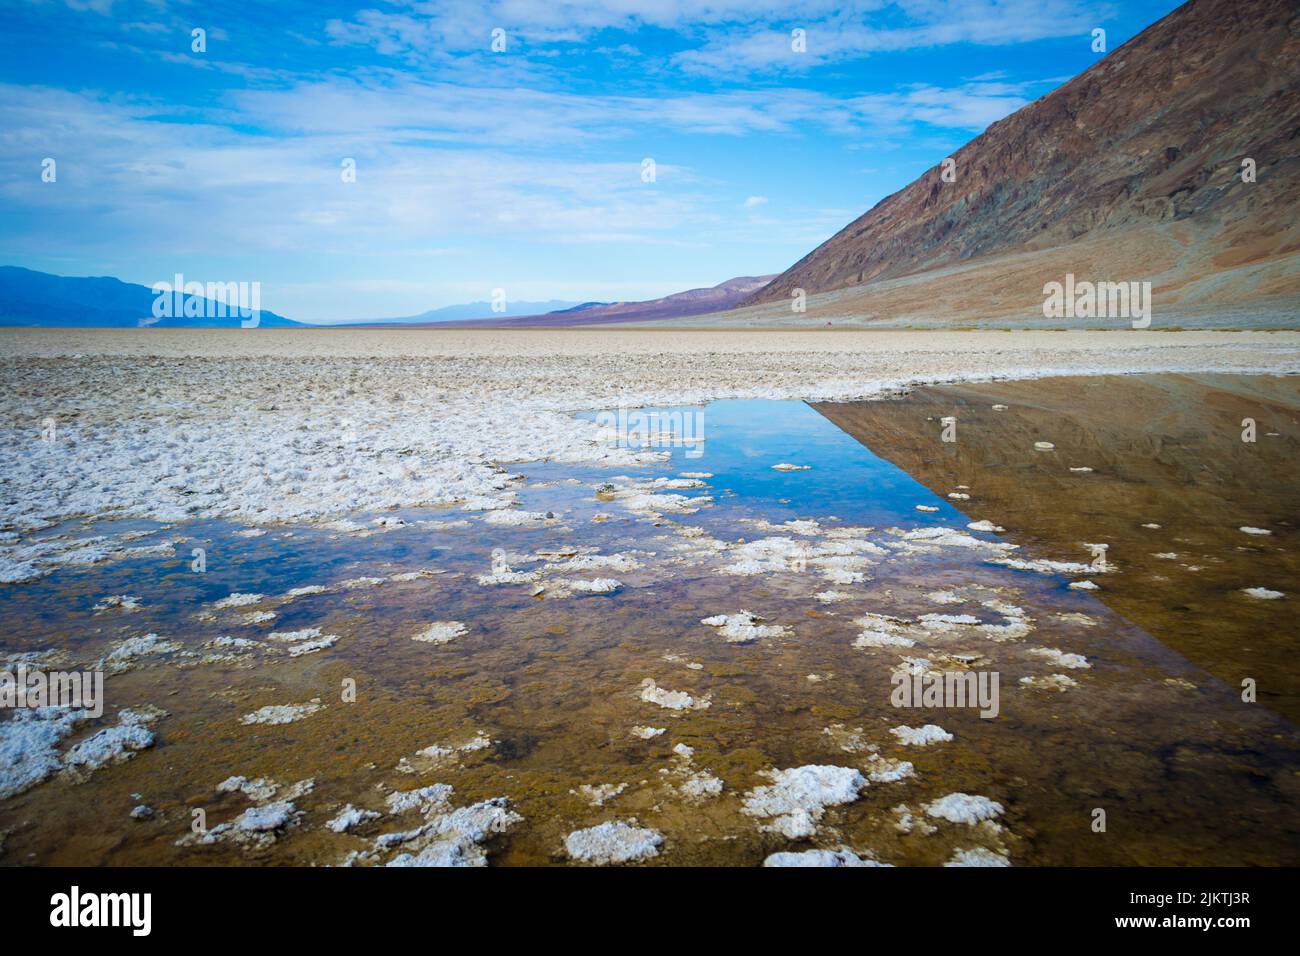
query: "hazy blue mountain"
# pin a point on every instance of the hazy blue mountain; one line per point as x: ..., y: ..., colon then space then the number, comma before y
x: 38, y: 298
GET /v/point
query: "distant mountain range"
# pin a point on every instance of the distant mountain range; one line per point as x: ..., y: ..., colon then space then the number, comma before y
x: 38, y: 298
x: 679, y: 305
x: 471, y: 311
x: 1175, y: 159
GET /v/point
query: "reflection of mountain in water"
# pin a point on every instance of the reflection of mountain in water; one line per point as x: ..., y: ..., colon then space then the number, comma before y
x: 1164, y: 450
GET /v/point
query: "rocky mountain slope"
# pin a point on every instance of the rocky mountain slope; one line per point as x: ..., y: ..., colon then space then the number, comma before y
x: 1131, y: 171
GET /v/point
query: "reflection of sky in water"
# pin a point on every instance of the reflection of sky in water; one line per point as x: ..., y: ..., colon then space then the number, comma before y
x: 554, y: 682
x: 743, y: 439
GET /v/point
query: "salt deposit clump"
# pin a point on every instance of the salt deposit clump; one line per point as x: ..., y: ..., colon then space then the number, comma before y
x: 517, y: 518
x: 595, y: 586
x: 453, y: 839
x: 306, y: 641
x: 29, y: 745
x: 797, y: 798
x: 437, y: 755
x: 651, y: 693
x: 921, y: 736
x: 258, y: 790
x: 597, y: 795
x: 1060, y: 658
x: 977, y: 857
x: 350, y: 817
x: 963, y: 808
x: 1056, y: 682
x: 275, y: 714
x: 851, y: 741
x: 125, y: 654
x: 115, y: 744
x: 613, y: 842
x: 879, y: 630
x: 440, y: 632
x: 888, y: 770
x: 121, y: 602
x: 236, y: 600
x: 820, y: 858
x: 743, y: 628
x: 700, y: 785
x: 260, y: 825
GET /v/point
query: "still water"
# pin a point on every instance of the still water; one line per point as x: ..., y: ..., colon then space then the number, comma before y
x: 540, y: 697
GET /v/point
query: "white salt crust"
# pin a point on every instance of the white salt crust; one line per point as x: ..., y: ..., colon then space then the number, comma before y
x: 267, y: 429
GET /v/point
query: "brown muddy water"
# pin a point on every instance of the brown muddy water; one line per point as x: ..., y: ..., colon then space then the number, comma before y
x: 543, y: 692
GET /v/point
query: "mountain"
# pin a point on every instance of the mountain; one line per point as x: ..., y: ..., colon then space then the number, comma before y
x: 1131, y: 171
x: 38, y: 298
x: 718, y: 298
x: 41, y: 299
x: 470, y: 311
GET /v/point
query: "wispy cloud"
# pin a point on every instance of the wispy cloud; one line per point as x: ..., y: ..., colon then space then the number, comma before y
x: 725, y: 37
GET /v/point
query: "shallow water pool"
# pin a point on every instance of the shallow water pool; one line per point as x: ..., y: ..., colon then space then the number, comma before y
x: 548, y: 663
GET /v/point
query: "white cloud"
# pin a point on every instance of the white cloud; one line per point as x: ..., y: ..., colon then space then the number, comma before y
x: 410, y: 112
x: 727, y: 37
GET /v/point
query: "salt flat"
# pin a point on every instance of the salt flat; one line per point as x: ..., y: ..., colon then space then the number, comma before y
x: 264, y: 425
x: 500, y: 343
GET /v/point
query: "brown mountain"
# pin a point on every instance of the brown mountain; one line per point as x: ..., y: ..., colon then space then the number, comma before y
x: 725, y: 295
x: 1130, y: 171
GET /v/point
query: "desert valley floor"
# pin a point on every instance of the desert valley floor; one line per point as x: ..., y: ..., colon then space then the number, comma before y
x: 424, y: 598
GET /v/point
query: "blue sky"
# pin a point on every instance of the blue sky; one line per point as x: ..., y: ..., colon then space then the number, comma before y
x: 477, y: 170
